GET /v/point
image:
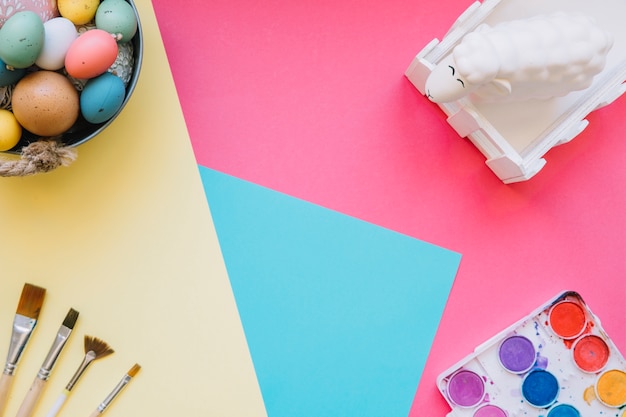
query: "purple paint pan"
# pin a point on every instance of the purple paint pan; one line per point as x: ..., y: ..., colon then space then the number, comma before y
x: 466, y: 388
x: 517, y: 354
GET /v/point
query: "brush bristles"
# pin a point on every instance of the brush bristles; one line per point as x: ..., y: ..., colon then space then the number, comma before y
x: 70, y: 318
x: 133, y: 371
x: 31, y: 301
x: 99, y: 347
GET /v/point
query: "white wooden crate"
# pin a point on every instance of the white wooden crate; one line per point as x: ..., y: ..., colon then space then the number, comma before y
x: 514, y: 137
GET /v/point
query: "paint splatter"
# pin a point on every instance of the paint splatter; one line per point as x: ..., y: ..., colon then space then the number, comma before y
x: 589, y: 395
x: 542, y: 362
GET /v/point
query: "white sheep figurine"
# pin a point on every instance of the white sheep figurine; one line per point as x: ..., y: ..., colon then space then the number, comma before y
x: 539, y: 57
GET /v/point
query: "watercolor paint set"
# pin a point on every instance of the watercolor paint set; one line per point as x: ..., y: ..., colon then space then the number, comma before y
x: 555, y: 362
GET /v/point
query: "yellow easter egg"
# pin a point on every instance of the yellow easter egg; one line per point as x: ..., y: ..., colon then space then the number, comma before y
x: 79, y: 12
x: 10, y: 130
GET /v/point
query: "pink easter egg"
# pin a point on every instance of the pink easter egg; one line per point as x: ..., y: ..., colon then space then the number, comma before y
x: 91, y: 54
x: 46, y: 9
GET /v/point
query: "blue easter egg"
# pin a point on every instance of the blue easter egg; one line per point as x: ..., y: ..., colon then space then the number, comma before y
x: 10, y: 76
x: 102, y: 97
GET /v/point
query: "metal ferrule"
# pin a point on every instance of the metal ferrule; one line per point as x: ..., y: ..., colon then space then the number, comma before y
x: 22, y: 329
x: 53, y: 354
x: 89, y: 357
x: 105, y: 403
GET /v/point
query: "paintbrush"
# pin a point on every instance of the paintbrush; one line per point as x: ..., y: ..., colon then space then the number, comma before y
x: 24, y: 323
x: 94, y: 349
x: 109, y: 399
x: 32, y: 396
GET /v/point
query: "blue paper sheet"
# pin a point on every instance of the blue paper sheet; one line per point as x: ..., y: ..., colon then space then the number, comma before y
x: 339, y: 314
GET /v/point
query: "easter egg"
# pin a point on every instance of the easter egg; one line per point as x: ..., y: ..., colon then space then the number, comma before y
x: 118, y: 18
x: 21, y: 39
x: 59, y: 34
x: 102, y: 97
x: 10, y: 76
x: 10, y: 130
x: 45, y: 103
x: 91, y: 54
x: 45, y: 9
x: 78, y: 11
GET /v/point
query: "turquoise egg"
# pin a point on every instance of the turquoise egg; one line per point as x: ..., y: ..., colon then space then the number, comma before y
x: 10, y: 76
x: 21, y: 39
x: 102, y: 97
x: 118, y: 18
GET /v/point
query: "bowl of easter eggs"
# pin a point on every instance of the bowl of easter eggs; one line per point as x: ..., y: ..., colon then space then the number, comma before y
x: 67, y: 69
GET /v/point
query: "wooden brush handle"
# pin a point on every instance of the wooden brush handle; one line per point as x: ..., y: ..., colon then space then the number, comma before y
x: 32, y: 396
x: 96, y: 413
x: 5, y: 386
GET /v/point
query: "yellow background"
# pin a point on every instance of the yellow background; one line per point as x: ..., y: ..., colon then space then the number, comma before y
x: 124, y: 236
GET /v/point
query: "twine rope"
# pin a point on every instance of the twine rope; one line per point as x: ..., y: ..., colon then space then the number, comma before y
x: 38, y: 157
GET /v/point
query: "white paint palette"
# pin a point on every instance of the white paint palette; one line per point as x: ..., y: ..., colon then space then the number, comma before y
x: 555, y: 362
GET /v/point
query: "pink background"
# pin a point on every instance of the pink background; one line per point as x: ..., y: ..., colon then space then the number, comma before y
x: 309, y: 98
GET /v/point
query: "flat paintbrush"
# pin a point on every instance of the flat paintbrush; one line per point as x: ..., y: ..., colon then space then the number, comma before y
x: 118, y: 388
x: 24, y: 323
x: 94, y: 349
x: 32, y: 396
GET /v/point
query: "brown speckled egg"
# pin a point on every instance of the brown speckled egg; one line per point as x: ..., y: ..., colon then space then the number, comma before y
x: 45, y: 103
